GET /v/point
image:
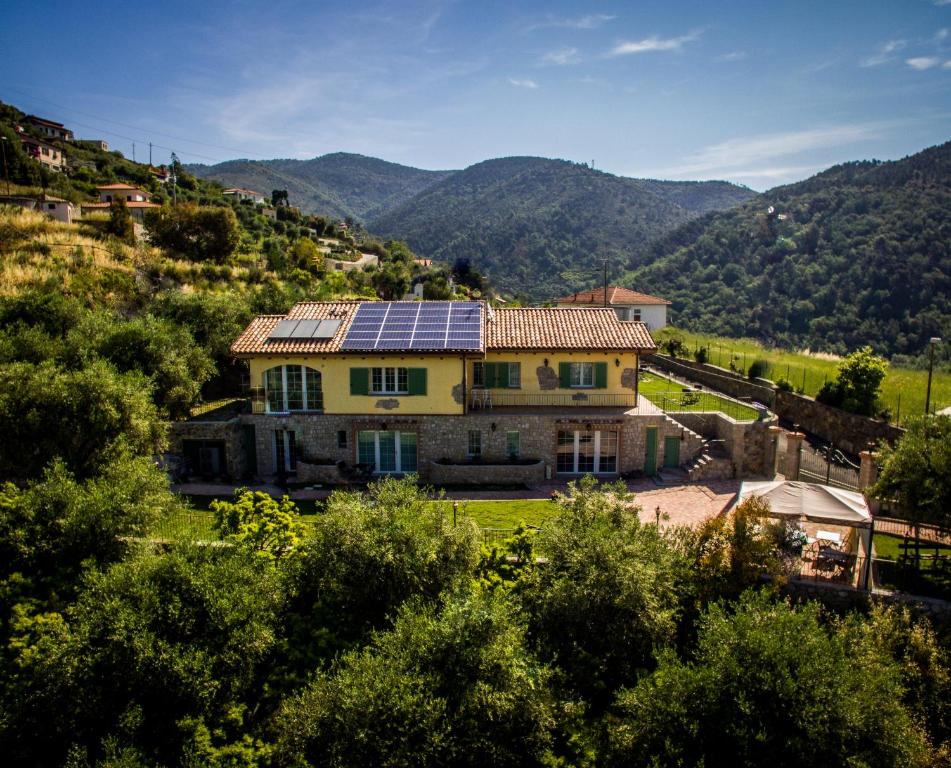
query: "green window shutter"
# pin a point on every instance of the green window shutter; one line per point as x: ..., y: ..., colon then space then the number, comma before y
x: 564, y: 375
x: 502, y: 375
x: 490, y: 375
x: 600, y: 375
x: 359, y: 381
x: 416, y: 377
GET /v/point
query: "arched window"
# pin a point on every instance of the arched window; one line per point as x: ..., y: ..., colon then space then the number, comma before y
x: 293, y: 388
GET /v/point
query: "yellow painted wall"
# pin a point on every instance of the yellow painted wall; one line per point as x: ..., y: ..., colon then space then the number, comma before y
x: 443, y: 373
x: 530, y: 361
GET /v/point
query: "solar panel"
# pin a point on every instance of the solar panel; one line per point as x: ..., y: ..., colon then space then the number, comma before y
x: 305, y: 329
x: 283, y: 329
x: 326, y: 329
x: 415, y: 325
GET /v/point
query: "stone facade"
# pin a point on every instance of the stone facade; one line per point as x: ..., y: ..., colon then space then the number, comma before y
x: 320, y: 442
x: 751, y: 444
x: 228, y: 432
x: 478, y: 474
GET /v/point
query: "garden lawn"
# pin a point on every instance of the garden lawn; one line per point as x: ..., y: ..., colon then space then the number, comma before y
x: 670, y: 395
x: 507, y: 513
x: 902, y: 392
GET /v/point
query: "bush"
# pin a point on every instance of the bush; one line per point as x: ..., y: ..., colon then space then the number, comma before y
x: 199, y: 233
x: 784, y: 386
x: 701, y: 355
x: 758, y: 369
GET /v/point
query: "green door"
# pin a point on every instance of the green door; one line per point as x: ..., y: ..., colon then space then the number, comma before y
x: 671, y: 452
x: 650, y: 460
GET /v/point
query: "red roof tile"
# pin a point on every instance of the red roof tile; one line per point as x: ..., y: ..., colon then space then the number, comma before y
x: 616, y: 295
x: 564, y: 328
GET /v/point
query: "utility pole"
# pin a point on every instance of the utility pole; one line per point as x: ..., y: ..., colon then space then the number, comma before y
x: 174, y: 164
x: 133, y: 151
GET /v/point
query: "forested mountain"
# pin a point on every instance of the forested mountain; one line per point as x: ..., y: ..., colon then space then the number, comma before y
x: 858, y: 254
x: 336, y: 185
x: 541, y: 227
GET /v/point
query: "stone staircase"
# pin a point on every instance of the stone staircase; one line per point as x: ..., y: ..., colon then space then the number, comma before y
x: 691, y: 443
x: 713, y: 463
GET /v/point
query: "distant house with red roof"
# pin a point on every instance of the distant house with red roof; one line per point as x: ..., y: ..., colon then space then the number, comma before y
x: 627, y: 304
x: 49, y: 128
x: 129, y: 193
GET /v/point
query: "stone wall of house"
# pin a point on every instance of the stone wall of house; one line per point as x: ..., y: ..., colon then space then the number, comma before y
x: 720, y: 379
x: 848, y: 431
x: 476, y: 474
x: 227, y: 431
x: 447, y: 437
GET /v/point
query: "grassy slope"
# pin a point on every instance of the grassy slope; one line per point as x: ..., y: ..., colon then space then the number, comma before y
x: 798, y: 367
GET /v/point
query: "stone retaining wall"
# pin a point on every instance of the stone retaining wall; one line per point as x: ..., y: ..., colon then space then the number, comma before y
x: 227, y: 431
x: 479, y: 474
x: 720, y: 379
x: 750, y: 444
x: 850, y: 432
x: 840, y: 598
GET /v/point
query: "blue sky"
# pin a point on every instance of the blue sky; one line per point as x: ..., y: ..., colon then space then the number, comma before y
x: 760, y: 93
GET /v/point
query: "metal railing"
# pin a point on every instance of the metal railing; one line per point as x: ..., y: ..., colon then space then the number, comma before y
x: 706, y: 401
x: 259, y: 402
x: 505, y: 399
x: 817, y: 468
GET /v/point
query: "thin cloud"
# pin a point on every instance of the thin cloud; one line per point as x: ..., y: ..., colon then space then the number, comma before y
x: 589, y: 21
x: 731, y: 56
x: 653, y: 44
x: 523, y: 83
x: 942, y: 2
x: 752, y: 151
x: 922, y: 63
x: 946, y: 65
x: 562, y: 57
x: 884, y: 53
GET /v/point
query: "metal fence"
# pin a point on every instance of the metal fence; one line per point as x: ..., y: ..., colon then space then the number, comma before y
x: 828, y: 468
x: 480, y: 398
x: 707, y: 401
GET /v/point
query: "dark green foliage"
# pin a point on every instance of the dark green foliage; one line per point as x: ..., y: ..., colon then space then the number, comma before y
x: 608, y: 597
x: 161, y: 653
x: 452, y: 685
x: 855, y: 387
x: 214, y: 319
x: 768, y: 685
x: 758, y: 369
x: 543, y: 226
x: 701, y: 355
x: 120, y: 221
x: 916, y: 472
x: 675, y: 347
x: 196, y: 232
x: 855, y: 255
x: 82, y: 417
x: 368, y: 555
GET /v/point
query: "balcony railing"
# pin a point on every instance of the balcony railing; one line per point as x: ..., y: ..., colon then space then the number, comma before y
x: 259, y: 403
x: 493, y: 398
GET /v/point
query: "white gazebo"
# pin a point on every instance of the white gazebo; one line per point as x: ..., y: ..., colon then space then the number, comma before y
x: 817, y: 506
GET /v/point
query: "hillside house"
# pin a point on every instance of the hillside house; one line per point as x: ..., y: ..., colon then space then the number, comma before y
x: 54, y: 207
x: 136, y: 208
x: 49, y: 156
x: 244, y: 194
x: 48, y: 128
x: 131, y: 194
x: 452, y: 391
x: 628, y: 304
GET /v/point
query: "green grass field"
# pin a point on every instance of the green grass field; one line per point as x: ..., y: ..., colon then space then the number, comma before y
x: 903, y: 391
x: 670, y: 396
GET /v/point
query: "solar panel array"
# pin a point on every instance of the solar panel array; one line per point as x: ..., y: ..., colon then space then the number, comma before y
x: 305, y: 329
x: 415, y: 325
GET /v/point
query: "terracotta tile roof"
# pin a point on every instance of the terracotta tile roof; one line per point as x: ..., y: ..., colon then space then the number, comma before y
x: 616, y: 295
x: 516, y: 328
x: 253, y: 340
x: 118, y: 186
x: 564, y: 328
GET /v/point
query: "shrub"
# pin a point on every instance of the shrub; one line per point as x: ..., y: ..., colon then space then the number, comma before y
x: 784, y: 386
x: 701, y: 355
x: 758, y: 369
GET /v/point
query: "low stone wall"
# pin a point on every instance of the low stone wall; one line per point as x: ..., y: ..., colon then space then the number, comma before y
x: 478, y: 474
x: 720, y: 379
x: 840, y: 598
x: 319, y: 474
x: 850, y: 432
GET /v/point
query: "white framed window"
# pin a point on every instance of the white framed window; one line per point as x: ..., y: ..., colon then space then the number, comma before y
x: 515, y: 375
x: 478, y: 374
x: 582, y: 374
x: 389, y: 381
x: 293, y: 388
x: 474, y: 446
x: 513, y: 445
x: 587, y: 452
x: 635, y: 313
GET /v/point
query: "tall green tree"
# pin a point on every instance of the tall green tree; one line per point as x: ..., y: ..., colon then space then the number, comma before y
x: 858, y: 379
x: 120, y: 221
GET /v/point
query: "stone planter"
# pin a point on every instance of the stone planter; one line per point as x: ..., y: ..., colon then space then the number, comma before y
x: 319, y: 474
x: 486, y: 473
